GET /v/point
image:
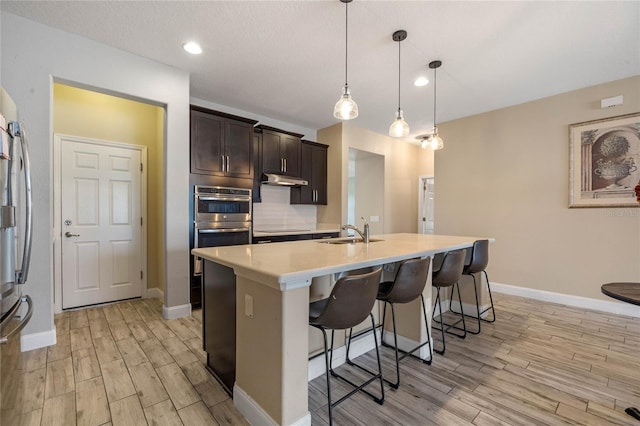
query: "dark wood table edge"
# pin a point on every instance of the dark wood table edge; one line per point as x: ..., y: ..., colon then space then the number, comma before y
x: 631, y: 411
x: 606, y: 291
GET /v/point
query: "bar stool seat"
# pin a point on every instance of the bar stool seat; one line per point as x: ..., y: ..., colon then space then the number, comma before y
x: 350, y: 302
x: 448, y: 276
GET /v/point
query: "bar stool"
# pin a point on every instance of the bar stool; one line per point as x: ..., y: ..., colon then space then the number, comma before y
x: 478, y: 263
x: 448, y: 276
x: 407, y: 287
x: 350, y: 302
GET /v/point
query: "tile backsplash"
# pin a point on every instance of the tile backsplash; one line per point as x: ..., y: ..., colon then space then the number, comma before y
x: 275, y: 210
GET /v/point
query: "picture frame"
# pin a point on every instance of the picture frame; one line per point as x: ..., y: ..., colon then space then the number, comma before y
x: 604, y: 162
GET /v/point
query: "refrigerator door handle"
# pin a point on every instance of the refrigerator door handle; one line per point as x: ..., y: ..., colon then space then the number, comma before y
x: 23, y: 272
x: 25, y: 320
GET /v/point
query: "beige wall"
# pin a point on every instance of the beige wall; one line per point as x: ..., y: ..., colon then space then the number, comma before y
x: 505, y: 174
x: 403, y: 163
x: 84, y: 113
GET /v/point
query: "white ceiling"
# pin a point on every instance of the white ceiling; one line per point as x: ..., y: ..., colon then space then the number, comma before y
x: 285, y: 59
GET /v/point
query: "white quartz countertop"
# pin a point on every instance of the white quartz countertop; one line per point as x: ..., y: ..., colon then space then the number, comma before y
x: 292, y: 264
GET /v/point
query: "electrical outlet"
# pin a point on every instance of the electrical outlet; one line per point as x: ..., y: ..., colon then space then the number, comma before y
x: 248, y: 305
x: 374, y: 219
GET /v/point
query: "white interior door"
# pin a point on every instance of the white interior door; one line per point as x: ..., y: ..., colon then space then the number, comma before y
x: 427, y: 201
x: 101, y: 223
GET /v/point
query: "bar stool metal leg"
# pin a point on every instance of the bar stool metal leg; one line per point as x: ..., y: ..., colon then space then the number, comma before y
x: 490, y: 308
x: 479, y: 312
x: 396, y: 348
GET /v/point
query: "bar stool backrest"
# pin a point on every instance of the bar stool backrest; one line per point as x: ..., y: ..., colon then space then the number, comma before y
x: 451, y: 269
x: 350, y: 301
x: 479, y: 257
x: 410, y: 281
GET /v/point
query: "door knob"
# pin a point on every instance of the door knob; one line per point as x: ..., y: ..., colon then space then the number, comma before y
x: 69, y: 234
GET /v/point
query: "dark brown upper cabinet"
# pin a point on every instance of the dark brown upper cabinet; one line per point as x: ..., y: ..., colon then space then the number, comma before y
x: 256, y: 194
x: 221, y: 144
x: 280, y: 151
x: 313, y: 168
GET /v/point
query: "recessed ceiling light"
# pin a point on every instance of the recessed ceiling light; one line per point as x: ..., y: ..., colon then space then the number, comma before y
x: 421, y: 81
x: 192, y: 47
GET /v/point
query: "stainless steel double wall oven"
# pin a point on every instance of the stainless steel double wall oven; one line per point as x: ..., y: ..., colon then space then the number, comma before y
x: 221, y: 217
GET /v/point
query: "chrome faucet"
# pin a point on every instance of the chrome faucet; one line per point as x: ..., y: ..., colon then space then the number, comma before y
x: 364, y: 235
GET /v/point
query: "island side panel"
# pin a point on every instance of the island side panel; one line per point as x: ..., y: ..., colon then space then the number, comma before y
x: 272, y: 348
x: 219, y: 322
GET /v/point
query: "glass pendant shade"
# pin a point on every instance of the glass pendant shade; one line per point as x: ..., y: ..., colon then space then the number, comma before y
x: 399, y: 128
x: 433, y: 142
x: 346, y: 108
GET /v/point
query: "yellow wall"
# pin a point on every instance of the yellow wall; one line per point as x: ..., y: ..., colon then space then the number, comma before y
x: 403, y: 164
x: 505, y: 174
x: 84, y: 113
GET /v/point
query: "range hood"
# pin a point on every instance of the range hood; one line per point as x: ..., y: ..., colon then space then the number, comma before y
x: 273, y: 179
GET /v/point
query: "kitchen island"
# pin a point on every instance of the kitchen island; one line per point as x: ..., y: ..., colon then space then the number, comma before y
x: 272, y: 308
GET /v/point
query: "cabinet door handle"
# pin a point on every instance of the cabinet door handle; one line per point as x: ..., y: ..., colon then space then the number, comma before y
x: 227, y: 163
x: 285, y: 165
x: 222, y: 162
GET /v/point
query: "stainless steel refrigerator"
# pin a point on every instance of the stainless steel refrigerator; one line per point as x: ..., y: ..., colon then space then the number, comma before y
x: 15, y: 252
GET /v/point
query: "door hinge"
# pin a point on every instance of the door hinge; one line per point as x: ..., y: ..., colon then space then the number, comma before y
x: 140, y: 166
x: 140, y: 220
x: 141, y: 274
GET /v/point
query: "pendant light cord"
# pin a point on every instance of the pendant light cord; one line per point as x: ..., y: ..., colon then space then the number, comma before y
x: 346, y: 43
x: 399, y: 43
x: 435, y: 91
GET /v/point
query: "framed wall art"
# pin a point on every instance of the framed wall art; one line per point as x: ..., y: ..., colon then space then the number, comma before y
x: 604, y: 162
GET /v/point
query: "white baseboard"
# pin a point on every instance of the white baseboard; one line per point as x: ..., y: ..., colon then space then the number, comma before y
x: 154, y: 293
x: 39, y: 340
x: 173, y: 312
x: 612, y: 307
x: 255, y: 414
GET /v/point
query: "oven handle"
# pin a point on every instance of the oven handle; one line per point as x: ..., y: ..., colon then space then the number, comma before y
x: 222, y: 230
x: 25, y: 320
x: 212, y: 198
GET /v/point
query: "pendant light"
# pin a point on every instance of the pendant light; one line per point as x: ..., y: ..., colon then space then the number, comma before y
x: 346, y: 108
x: 434, y: 141
x: 399, y: 128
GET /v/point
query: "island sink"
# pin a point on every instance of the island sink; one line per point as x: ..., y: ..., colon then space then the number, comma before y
x: 349, y: 240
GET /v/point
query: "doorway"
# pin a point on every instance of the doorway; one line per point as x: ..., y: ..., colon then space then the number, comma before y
x: 365, y: 193
x: 91, y: 114
x: 102, y: 244
x: 426, y: 205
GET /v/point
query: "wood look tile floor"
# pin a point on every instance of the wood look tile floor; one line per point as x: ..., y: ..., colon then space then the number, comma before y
x: 119, y: 364
x: 539, y: 363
